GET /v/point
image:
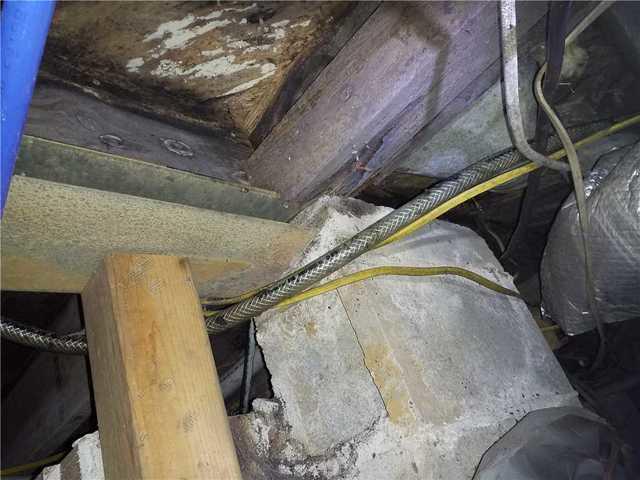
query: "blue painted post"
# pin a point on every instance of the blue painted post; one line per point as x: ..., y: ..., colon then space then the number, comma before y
x: 24, y: 26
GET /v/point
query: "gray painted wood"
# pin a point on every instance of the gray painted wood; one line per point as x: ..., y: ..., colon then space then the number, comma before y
x: 70, y: 117
x: 64, y: 163
x: 307, y: 67
x: 401, y: 69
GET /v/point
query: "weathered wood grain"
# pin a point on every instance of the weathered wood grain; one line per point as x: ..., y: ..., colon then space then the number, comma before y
x: 160, y: 409
x: 218, y: 65
x: 310, y: 64
x: 406, y: 63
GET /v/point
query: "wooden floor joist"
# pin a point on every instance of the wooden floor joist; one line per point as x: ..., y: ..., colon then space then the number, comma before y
x: 160, y: 411
x: 396, y: 74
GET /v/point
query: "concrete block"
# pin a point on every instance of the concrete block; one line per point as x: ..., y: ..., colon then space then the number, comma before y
x: 395, y: 377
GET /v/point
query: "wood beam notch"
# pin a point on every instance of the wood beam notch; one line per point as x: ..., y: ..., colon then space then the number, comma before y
x: 160, y: 409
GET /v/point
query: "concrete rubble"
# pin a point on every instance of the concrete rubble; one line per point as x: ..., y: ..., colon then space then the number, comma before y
x: 395, y: 377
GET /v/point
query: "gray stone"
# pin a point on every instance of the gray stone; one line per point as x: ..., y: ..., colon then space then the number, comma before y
x: 396, y: 377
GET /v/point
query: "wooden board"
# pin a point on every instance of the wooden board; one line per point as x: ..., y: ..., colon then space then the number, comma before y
x: 403, y: 66
x: 76, y: 118
x: 531, y: 49
x: 72, y: 165
x: 306, y: 68
x: 219, y: 65
x: 54, y: 237
x: 160, y: 410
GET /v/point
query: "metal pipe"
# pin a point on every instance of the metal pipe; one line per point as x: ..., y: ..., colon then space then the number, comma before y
x: 24, y: 27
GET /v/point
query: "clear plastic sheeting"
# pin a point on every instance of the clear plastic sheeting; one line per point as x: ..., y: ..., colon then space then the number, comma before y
x: 613, y: 199
x: 566, y: 443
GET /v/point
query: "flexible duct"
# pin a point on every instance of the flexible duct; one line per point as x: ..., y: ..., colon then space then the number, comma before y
x: 613, y: 203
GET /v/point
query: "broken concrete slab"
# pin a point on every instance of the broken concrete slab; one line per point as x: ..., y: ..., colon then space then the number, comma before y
x: 84, y: 462
x: 453, y: 365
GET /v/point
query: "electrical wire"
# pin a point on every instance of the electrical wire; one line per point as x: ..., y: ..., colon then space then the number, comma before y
x: 385, y: 230
x: 490, y: 184
x: 503, y: 179
x: 511, y: 89
x: 583, y: 211
x: 360, y: 243
x: 27, y: 467
x: 48, y: 341
x: 557, y: 24
x: 247, y: 380
x: 578, y: 182
x: 397, y: 271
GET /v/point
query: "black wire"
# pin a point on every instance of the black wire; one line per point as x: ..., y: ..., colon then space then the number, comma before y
x: 247, y: 374
x: 557, y: 27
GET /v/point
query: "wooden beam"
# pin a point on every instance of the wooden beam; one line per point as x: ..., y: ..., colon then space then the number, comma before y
x: 66, y: 116
x: 531, y: 38
x: 308, y: 65
x: 73, y: 165
x: 54, y: 236
x: 160, y: 410
x: 136, y: 64
x: 396, y: 74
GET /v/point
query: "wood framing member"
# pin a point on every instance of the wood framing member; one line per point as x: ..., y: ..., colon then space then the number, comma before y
x: 404, y: 66
x: 54, y: 236
x: 160, y: 410
x: 307, y: 67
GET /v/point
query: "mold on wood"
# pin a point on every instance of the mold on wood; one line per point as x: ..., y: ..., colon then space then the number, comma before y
x: 212, y: 64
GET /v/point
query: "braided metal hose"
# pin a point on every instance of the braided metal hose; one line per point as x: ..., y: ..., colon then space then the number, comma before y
x: 362, y: 242
x: 311, y: 273
x: 40, y: 339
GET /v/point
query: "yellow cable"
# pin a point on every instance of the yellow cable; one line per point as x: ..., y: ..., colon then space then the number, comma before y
x: 550, y: 328
x: 223, y: 302
x: 455, y: 201
x: 33, y: 465
x: 397, y: 270
x: 500, y: 180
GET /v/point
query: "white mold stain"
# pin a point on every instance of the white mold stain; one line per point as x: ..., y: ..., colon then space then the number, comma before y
x: 134, y: 64
x: 212, y: 53
x: 238, y: 44
x: 222, y: 61
x: 178, y: 33
x: 267, y: 70
x: 255, y: 48
x: 281, y: 23
x: 277, y: 34
x: 304, y: 24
